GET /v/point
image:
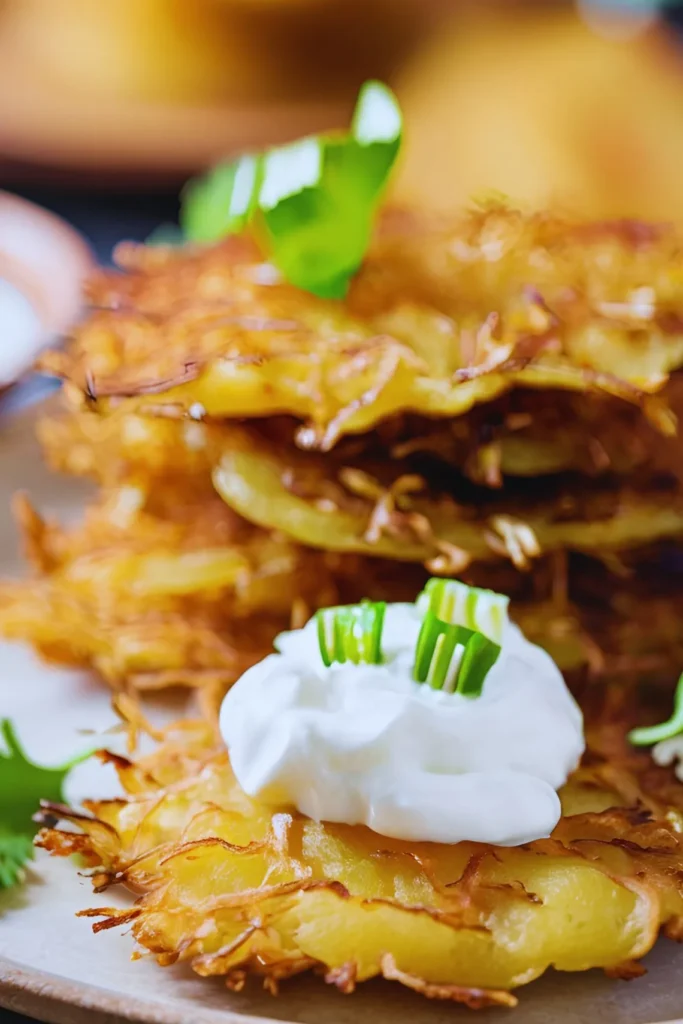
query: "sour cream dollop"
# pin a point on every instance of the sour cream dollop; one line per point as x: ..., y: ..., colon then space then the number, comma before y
x: 365, y: 744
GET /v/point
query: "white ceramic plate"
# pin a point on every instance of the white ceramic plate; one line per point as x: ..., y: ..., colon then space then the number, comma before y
x: 54, y: 968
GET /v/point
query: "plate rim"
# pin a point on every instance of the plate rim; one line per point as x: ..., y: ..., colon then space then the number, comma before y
x: 57, y: 1000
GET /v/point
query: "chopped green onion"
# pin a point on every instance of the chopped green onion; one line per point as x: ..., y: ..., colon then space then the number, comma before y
x: 312, y: 202
x: 438, y: 653
x: 478, y: 659
x: 665, y: 730
x: 351, y: 633
x: 460, y: 638
x: 481, y: 611
x: 453, y: 658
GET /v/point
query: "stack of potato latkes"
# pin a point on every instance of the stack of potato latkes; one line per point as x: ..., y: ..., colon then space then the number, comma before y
x: 495, y: 400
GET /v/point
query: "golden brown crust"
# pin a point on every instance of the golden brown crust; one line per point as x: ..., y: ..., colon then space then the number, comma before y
x: 379, y: 507
x: 440, y: 318
x: 473, y: 998
x: 525, y: 434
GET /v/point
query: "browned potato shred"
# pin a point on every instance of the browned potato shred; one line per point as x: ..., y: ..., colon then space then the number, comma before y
x: 158, y: 588
x: 523, y: 435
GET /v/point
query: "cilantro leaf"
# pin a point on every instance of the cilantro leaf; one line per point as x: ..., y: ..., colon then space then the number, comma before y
x: 15, y: 851
x: 312, y: 202
x: 23, y: 785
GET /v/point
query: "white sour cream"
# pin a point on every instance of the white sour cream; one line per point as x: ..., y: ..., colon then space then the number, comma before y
x: 365, y: 744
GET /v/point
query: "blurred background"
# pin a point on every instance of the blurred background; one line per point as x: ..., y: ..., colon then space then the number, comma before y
x: 106, y: 106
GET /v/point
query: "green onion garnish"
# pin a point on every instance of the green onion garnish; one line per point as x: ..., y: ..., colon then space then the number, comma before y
x: 312, y: 202
x: 666, y: 730
x: 480, y: 611
x: 460, y: 638
x: 438, y: 653
x: 351, y: 633
x: 479, y: 657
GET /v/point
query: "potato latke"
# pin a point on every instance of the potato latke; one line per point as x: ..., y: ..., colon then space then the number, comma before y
x: 163, y: 585
x: 233, y: 888
x: 439, y: 319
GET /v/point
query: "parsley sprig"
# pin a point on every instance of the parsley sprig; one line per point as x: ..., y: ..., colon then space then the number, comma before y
x: 23, y: 784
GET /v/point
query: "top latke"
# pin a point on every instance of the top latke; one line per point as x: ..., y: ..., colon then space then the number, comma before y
x: 440, y: 317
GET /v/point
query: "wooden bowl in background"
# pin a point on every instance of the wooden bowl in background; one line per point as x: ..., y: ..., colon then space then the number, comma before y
x: 160, y: 88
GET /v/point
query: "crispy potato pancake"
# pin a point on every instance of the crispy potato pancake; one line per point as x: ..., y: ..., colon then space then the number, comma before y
x: 159, y: 587
x: 590, y: 621
x: 377, y: 508
x: 368, y: 496
x: 524, y: 434
x: 113, y: 449
x: 440, y: 318
x: 234, y: 888
x: 163, y: 585
x: 611, y: 641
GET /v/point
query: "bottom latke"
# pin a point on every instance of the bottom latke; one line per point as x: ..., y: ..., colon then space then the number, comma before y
x: 235, y: 888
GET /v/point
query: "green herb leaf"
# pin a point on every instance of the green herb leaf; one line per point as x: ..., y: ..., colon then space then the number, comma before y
x: 351, y: 633
x: 666, y: 730
x: 15, y: 852
x: 312, y: 203
x: 23, y: 785
x: 221, y: 202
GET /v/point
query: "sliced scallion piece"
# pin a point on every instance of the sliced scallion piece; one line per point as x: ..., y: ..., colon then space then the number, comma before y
x: 460, y: 637
x: 351, y: 633
x: 437, y: 657
x: 648, y: 734
x: 453, y: 658
x: 481, y: 611
x: 479, y: 657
